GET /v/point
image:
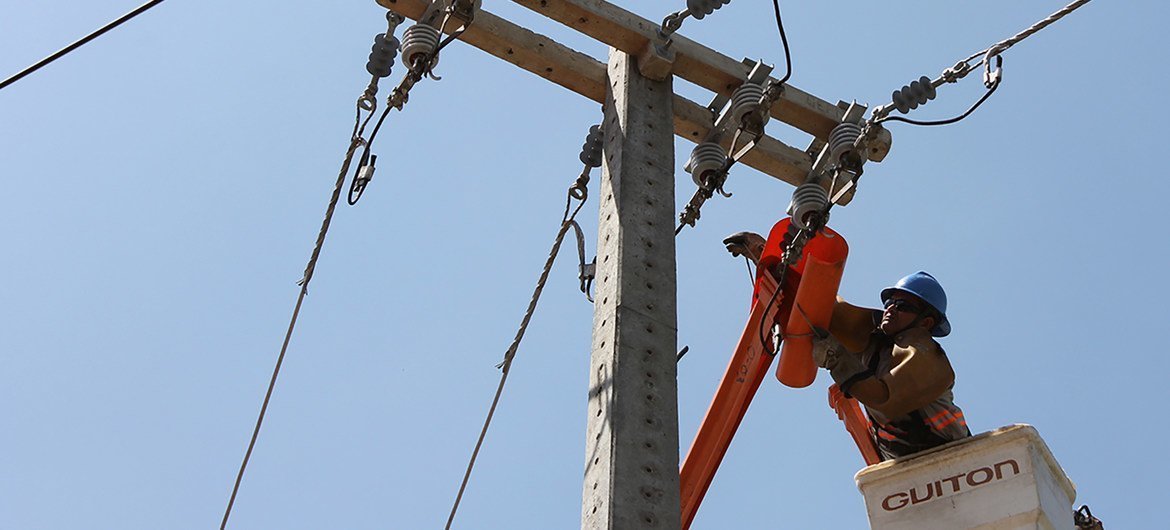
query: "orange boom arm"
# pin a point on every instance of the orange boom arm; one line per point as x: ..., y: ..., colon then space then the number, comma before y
x: 812, y: 284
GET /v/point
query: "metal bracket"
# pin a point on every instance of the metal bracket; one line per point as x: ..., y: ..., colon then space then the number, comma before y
x: 464, y: 10
x: 656, y: 60
x: 587, y: 274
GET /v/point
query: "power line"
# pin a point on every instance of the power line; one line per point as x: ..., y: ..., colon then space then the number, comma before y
x: 353, y: 146
x: 784, y: 41
x: 591, y: 156
x: 141, y: 9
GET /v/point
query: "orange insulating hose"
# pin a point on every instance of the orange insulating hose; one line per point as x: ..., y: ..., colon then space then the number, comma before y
x: 815, y: 297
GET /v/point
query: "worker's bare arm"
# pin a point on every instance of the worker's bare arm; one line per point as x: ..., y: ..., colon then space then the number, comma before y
x: 920, y: 374
x: 852, y: 325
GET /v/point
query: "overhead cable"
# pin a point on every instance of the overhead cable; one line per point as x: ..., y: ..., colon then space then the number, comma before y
x: 591, y: 156
x: 379, y: 65
x: 1003, y: 45
x: 304, y: 283
x: 141, y: 9
x: 919, y: 92
x: 784, y: 41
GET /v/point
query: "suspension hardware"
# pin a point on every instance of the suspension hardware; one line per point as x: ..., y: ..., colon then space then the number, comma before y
x: 591, y: 150
x: 381, y: 60
x: 916, y: 93
x: 702, y: 8
x: 382, y: 55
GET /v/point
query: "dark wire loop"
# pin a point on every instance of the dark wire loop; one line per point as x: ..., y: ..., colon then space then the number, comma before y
x: 356, y: 187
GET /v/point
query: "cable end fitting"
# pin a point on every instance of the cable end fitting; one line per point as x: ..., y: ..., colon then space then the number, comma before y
x: 366, y: 173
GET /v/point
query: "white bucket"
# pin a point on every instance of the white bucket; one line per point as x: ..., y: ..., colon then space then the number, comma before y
x: 1005, y: 479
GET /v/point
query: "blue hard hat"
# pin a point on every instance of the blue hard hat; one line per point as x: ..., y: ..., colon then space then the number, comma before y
x: 925, y: 287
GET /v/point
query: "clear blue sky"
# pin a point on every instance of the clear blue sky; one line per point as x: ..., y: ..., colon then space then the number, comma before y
x: 163, y: 186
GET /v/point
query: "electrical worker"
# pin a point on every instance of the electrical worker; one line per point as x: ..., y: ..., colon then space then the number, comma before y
x: 888, y: 360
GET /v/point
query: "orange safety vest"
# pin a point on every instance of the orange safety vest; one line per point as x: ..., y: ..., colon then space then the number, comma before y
x: 939, y: 422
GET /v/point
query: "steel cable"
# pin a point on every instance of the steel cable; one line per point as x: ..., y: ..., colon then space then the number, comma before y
x: 567, y: 222
x: 1003, y: 45
x: 355, y: 142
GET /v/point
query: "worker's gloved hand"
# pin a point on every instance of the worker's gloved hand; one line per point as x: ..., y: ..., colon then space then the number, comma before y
x: 829, y: 353
x: 748, y: 244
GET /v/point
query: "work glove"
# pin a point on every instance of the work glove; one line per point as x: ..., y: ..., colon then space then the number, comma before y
x: 748, y: 244
x: 843, y: 365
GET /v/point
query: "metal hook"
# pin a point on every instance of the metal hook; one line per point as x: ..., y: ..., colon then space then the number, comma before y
x: 992, y: 78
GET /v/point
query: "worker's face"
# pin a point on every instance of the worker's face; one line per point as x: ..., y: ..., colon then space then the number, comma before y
x: 901, y: 310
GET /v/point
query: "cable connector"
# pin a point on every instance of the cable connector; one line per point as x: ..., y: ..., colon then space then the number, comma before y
x: 366, y: 173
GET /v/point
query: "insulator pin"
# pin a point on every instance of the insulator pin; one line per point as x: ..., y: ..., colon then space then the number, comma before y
x: 915, y: 94
x: 591, y: 151
x: 702, y: 8
x: 418, y: 42
x: 808, y: 200
x: 708, y: 158
x: 745, y: 104
x: 842, y: 138
x: 382, y: 55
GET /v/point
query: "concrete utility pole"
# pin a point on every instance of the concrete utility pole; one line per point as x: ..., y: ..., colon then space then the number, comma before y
x: 631, y: 471
x: 632, y: 444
